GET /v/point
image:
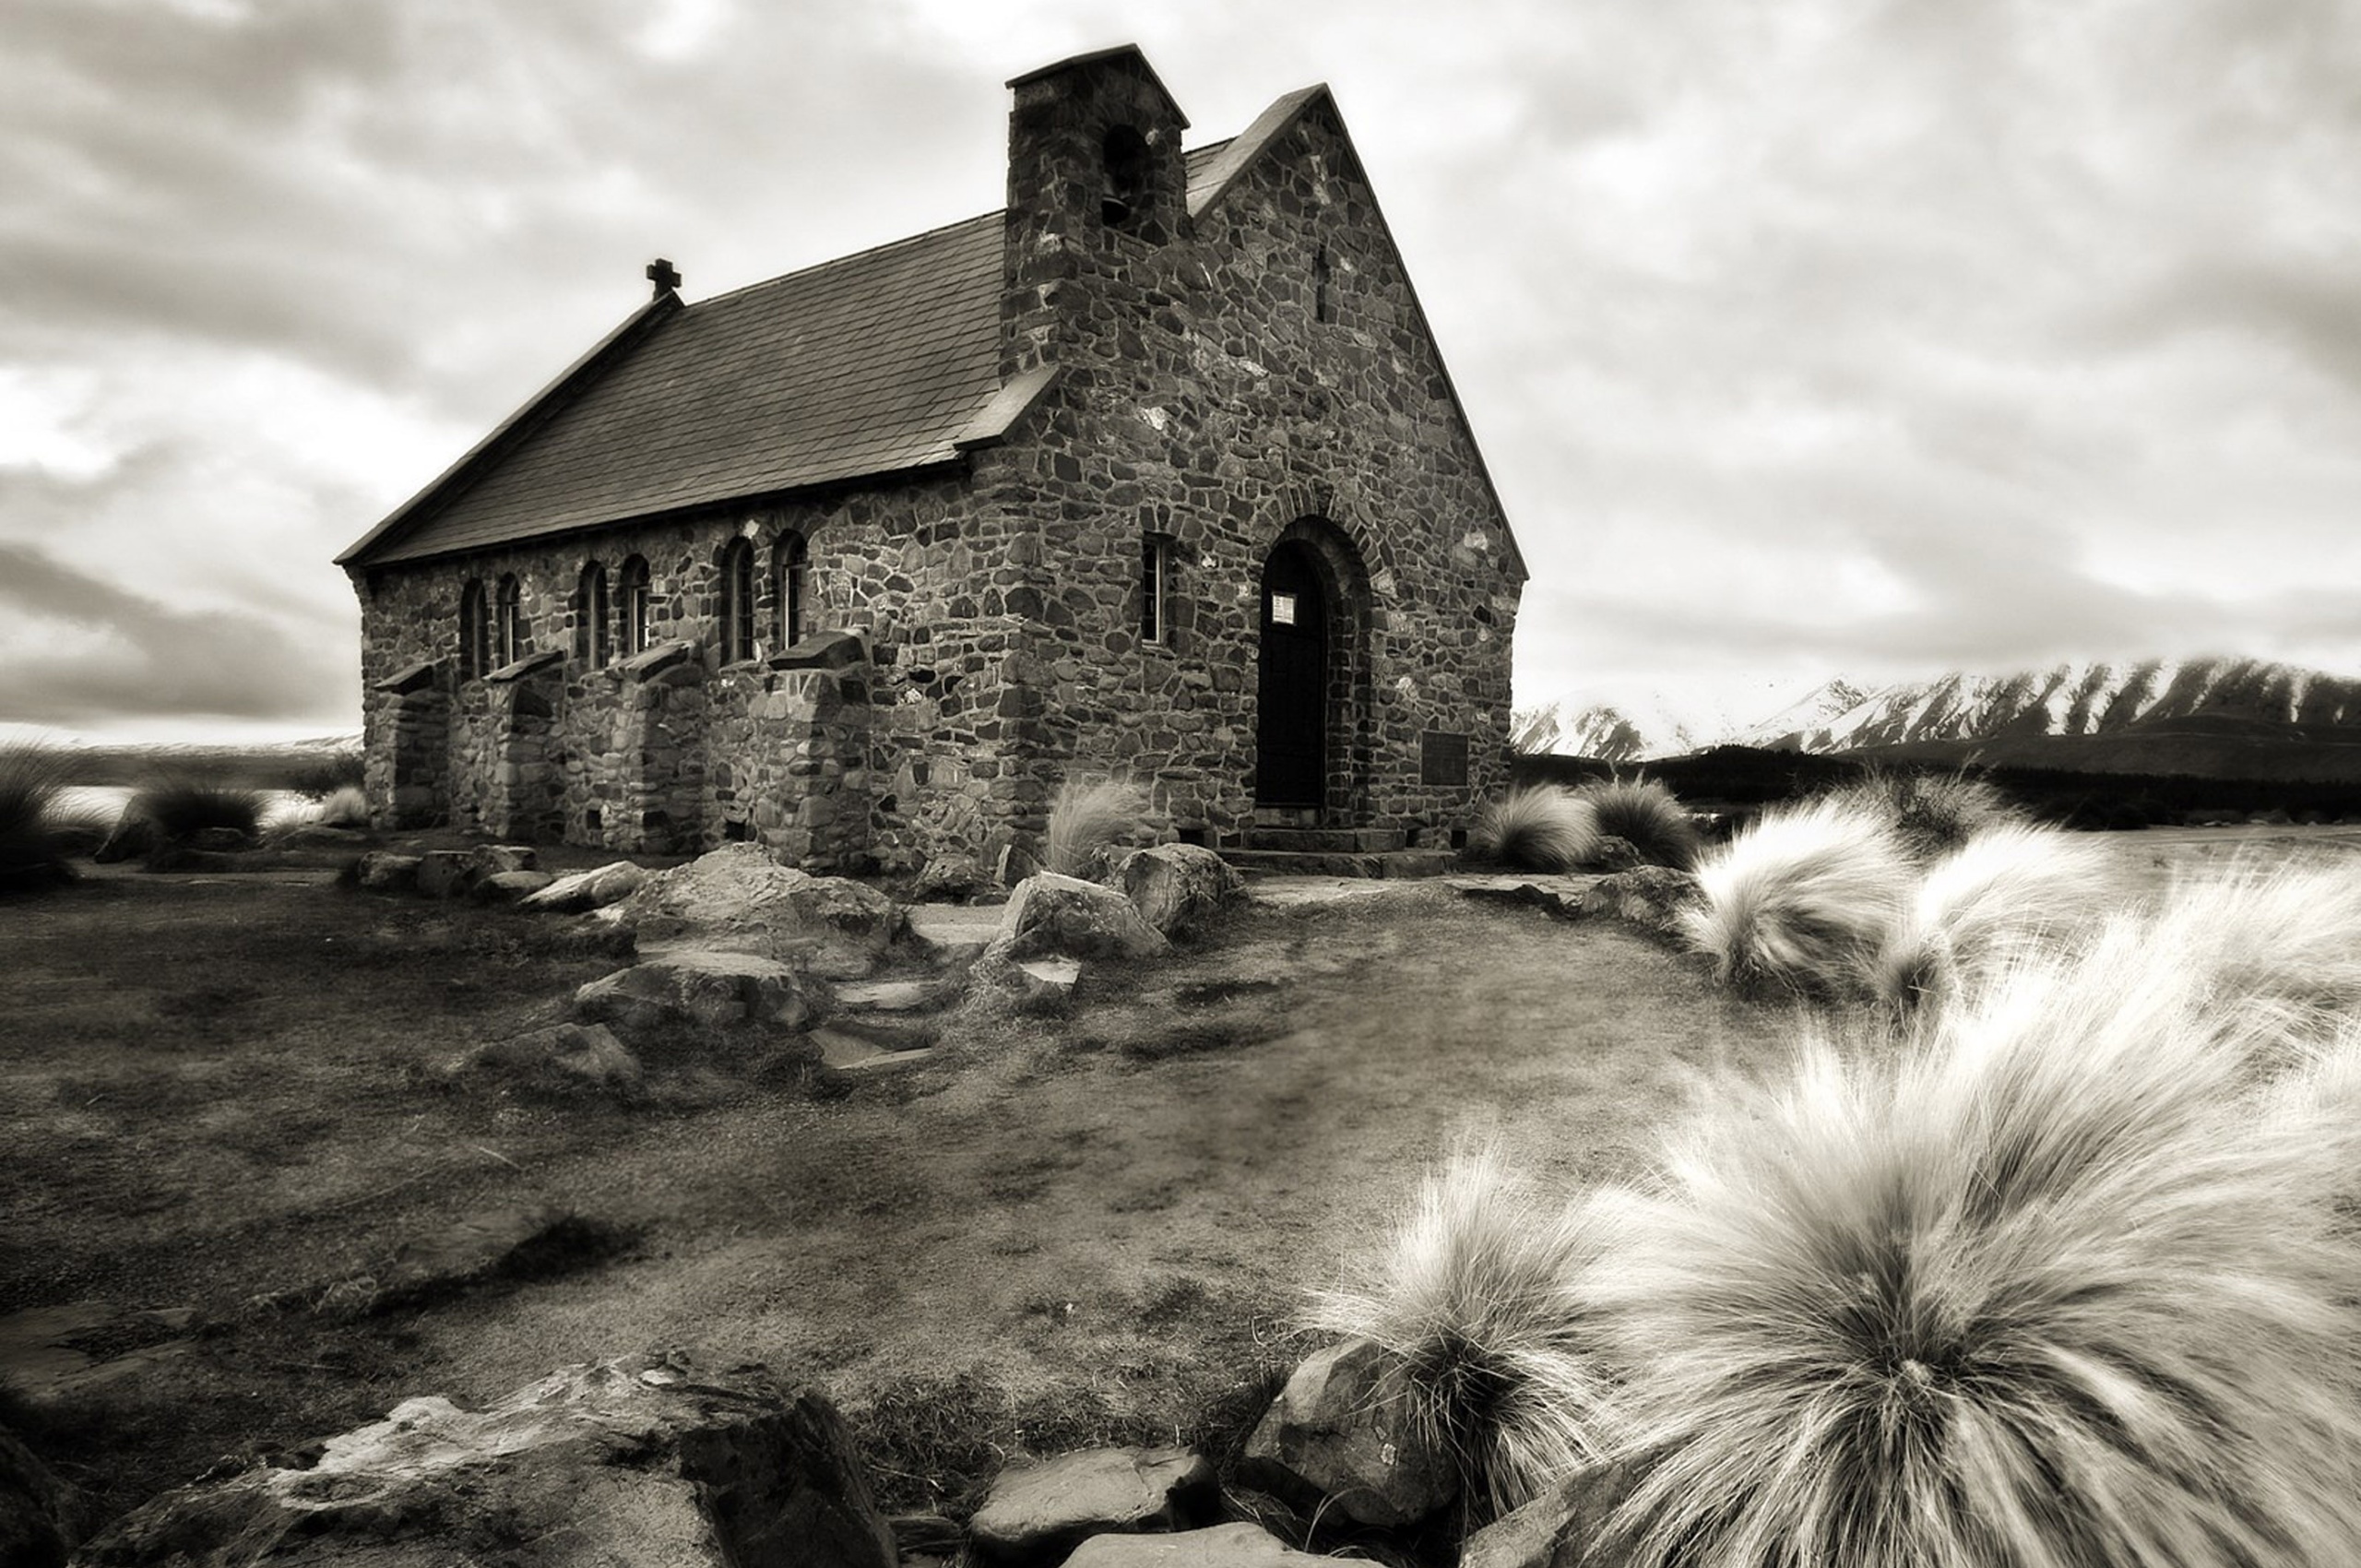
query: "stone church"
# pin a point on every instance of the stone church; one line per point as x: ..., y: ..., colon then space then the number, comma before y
x: 1157, y: 472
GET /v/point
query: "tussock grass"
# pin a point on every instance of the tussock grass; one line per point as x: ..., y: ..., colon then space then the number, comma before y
x: 2044, y: 1283
x: 178, y: 808
x: 2286, y: 937
x: 1649, y: 817
x: 1803, y: 898
x: 1538, y: 827
x: 322, y: 777
x: 1087, y: 818
x: 33, y: 846
x: 2006, y: 895
x: 1482, y: 1292
x: 1932, y: 813
x: 344, y: 806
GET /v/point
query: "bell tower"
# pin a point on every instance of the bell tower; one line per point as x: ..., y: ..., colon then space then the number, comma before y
x: 1094, y: 179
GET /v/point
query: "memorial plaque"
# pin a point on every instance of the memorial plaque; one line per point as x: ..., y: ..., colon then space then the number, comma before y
x: 1443, y: 758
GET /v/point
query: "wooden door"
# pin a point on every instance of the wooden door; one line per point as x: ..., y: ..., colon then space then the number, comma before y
x: 1291, y: 726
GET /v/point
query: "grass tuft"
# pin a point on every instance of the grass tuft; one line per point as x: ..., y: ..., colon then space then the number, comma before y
x: 1537, y: 827
x: 1482, y: 1294
x: 320, y: 776
x: 1803, y: 898
x: 2006, y: 895
x: 179, y: 808
x: 2045, y: 1282
x: 1649, y: 817
x: 32, y: 840
x: 1087, y: 818
x: 1932, y: 813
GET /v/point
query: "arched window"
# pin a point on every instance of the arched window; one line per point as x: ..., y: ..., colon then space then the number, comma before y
x: 593, y: 642
x: 638, y: 622
x: 737, y: 601
x: 475, y: 631
x: 792, y: 586
x: 509, y: 623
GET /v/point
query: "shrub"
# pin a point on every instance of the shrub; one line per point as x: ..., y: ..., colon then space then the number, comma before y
x: 1539, y: 827
x: 32, y: 848
x: 1649, y: 817
x: 2044, y: 1284
x: 1482, y: 1294
x: 345, y: 806
x: 1803, y: 898
x: 2000, y: 897
x: 1088, y: 817
x: 175, y: 809
x: 318, y: 776
x: 1932, y: 813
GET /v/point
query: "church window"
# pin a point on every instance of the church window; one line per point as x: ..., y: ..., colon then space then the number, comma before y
x: 737, y: 601
x: 593, y: 642
x: 1124, y: 192
x: 791, y: 568
x: 509, y: 623
x: 475, y: 632
x: 637, y: 607
x: 1155, y: 588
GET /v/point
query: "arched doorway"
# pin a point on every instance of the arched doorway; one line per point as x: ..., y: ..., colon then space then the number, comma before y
x: 1292, y: 692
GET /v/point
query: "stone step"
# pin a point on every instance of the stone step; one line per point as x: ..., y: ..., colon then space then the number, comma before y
x: 927, y: 993
x: 1390, y: 864
x: 1325, y: 840
x: 867, y: 1034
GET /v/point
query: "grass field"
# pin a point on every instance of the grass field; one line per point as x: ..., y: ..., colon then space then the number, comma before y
x: 1099, y: 1226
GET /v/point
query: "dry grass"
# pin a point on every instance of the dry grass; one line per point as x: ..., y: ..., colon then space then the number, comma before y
x: 1540, y: 828
x: 2045, y: 1285
x: 1803, y: 900
x: 1482, y: 1293
x: 2012, y: 891
x: 179, y: 808
x: 32, y: 849
x: 1087, y: 818
x: 1932, y: 813
x: 1649, y: 817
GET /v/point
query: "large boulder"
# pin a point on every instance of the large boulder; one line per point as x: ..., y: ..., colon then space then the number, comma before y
x: 701, y: 988
x: 383, y: 870
x: 1039, y: 1513
x: 624, y: 1463
x: 509, y: 887
x: 739, y: 900
x: 564, y: 1059
x: 1178, y: 888
x: 1054, y: 915
x: 1557, y: 1529
x: 1239, y: 1545
x: 589, y: 890
x: 1342, y: 1429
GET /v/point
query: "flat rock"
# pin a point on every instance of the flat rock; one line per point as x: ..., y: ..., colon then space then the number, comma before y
x: 1050, y: 915
x: 624, y: 1463
x: 1224, y: 1546
x: 739, y: 900
x: 491, y: 859
x: 1178, y: 888
x: 895, y: 996
x: 953, y: 935
x: 589, y: 890
x: 53, y: 1357
x: 1649, y: 896
x: 1341, y: 1429
x: 564, y: 1059
x: 445, y: 874
x: 382, y: 871
x: 709, y: 988
x: 509, y: 887
x: 1028, y: 984
x: 1037, y: 1514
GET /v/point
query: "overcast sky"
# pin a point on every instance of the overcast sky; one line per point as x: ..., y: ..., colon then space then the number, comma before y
x: 1804, y: 337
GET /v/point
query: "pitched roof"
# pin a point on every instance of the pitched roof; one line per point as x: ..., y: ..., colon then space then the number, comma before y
x: 872, y: 365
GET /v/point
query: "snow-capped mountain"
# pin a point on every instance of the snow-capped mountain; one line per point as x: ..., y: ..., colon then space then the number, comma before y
x: 2064, y: 700
x: 2132, y: 699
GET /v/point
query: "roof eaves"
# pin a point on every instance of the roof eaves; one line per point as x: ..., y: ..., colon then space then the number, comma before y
x: 1248, y: 145
x: 516, y: 426
x: 1015, y: 398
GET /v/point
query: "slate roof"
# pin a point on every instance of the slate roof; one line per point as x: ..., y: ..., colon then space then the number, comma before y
x: 874, y: 364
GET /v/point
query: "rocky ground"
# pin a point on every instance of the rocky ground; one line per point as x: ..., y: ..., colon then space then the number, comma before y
x: 1001, y: 1185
